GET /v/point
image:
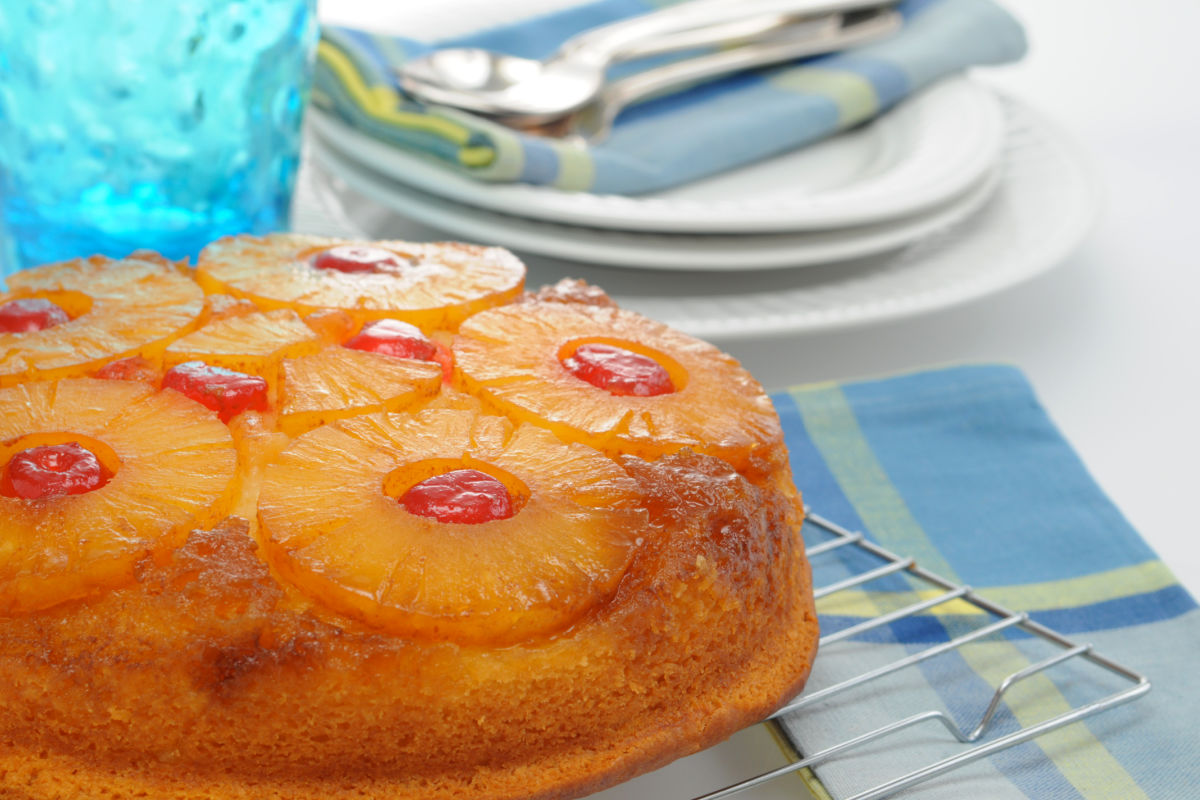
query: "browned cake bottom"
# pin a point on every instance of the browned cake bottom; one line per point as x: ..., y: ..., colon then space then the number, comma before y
x: 208, y: 679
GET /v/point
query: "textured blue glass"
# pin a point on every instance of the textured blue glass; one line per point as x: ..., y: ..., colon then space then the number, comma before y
x: 159, y: 124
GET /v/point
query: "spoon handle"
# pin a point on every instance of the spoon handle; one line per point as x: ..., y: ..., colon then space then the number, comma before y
x: 809, y: 37
x: 696, y: 23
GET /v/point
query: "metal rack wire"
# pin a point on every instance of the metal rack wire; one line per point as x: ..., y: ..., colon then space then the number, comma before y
x: 832, y: 541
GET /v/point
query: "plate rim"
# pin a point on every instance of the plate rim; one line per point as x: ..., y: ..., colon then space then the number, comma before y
x: 1069, y: 236
x: 636, y: 250
x: 965, y: 159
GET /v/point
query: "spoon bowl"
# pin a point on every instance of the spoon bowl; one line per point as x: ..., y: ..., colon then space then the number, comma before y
x: 499, y: 85
x: 527, y: 92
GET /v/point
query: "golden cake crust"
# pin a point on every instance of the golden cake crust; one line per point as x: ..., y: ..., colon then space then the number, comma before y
x: 209, y: 675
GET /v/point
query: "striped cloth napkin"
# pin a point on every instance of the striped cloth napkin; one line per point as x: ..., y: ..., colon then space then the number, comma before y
x: 670, y: 140
x: 962, y: 469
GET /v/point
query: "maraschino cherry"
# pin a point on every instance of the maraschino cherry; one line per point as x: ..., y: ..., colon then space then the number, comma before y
x: 619, y: 371
x: 391, y: 337
x: 357, y: 258
x: 462, y: 495
x: 29, y: 315
x: 52, y: 470
x: 227, y: 392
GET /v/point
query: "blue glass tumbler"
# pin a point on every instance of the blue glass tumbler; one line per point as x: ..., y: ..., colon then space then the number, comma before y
x: 147, y: 124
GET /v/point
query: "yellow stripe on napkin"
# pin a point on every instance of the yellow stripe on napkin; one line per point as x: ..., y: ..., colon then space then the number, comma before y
x: 835, y: 432
x: 382, y: 103
x: 1085, y: 590
x: 854, y: 95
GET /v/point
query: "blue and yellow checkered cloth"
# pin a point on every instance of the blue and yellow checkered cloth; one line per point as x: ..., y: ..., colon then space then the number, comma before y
x: 670, y: 140
x: 962, y: 469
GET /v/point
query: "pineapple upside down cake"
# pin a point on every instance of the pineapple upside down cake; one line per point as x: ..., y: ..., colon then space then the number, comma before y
x: 321, y: 519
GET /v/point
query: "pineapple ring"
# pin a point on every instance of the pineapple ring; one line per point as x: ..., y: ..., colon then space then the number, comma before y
x: 362, y: 554
x: 253, y: 343
x: 118, y: 309
x: 157, y: 445
x: 512, y: 358
x: 440, y: 285
x: 339, y: 382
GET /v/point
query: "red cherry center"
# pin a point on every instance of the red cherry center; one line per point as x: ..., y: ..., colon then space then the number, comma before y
x: 462, y: 495
x: 619, y: 371
x: 51, y: 471
x: 391, y: 337
x: 226, y: 392
x: 31, y: 314
x: 357, y: 258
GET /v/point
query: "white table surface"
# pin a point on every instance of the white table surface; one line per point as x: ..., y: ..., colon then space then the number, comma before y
x: 1110, y: 338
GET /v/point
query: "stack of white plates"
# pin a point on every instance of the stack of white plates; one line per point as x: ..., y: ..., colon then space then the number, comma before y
x: 954, y: 194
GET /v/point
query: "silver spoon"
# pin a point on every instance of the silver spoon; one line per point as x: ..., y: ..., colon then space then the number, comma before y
x: 825, y: 34
x: 528, y: 92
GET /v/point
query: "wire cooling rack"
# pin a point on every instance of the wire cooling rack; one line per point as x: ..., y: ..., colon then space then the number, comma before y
x: 829, y: 541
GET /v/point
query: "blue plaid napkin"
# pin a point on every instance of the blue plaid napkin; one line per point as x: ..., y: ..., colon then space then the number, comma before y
x: 669, y: 140
x: 962, y: 469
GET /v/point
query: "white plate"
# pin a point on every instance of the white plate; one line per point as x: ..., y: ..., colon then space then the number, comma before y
x: 1045, y: 203
x: 927, y: 150
x: 710, y: 252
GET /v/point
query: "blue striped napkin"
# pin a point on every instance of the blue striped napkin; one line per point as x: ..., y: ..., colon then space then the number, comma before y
x: 962, y: 469
x: 670, y: 140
